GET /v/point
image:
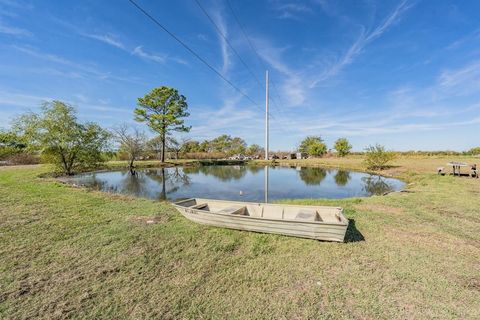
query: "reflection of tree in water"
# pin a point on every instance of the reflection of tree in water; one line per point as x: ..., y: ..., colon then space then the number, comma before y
x: 173, y: 176
x: 342, y: 177
x: 224, y: 173
x: 312, y: 176
x: 376, y: 185
x: 255, y: 169
x: 133, y: 184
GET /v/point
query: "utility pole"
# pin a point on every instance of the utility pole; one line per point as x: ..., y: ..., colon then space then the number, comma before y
x: 266, y: 115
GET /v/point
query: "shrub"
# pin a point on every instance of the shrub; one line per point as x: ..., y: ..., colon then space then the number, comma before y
x: 342, y: 146
x: 313, y: 146
x: 377, y: 158
x: 22, y: 159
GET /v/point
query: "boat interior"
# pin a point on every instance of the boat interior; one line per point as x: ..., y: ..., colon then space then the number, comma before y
x: 268, y: 211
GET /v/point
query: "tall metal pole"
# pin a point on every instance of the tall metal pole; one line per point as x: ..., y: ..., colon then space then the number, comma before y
x: 266, y: 115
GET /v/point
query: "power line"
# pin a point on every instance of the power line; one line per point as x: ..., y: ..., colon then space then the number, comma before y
x: 228, y: 43
x: 192, y: 52
x: 253, y: 49
x: 219, y: 31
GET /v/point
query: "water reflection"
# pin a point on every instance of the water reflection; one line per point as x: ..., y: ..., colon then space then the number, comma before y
x: 224, y: 173
x: 312, y: 176
x: 245, y: 183
x: 376, y: 185
x: 342, y: 177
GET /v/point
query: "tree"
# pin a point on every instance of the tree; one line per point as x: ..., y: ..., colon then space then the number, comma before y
x: 228, y: 145
x: 474, y: 151
x: 155, y: 146
x: 237, y: 146
x: 313, y: 146
x: 342, y: 146
x: 132, y: 141
x: 10, y: 144
x: 163, y: 109
x: 61, y: 140
x: 376, y: 157
x: 190, y: 146
x: 174, y: 146
x: 205, y: 146
x: 254, y: 150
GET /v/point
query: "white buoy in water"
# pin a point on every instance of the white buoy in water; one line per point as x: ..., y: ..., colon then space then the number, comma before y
x: 241, y: 192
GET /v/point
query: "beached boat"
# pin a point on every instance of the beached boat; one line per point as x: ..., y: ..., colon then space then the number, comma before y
x: 315, y: 222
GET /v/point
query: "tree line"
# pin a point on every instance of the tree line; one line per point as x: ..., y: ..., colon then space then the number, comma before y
x: 59, y: 138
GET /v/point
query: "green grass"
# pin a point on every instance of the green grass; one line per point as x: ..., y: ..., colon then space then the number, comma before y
x: 73, y: 253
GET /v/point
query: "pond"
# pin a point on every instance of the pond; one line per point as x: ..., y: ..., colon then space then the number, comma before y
x: 243, y: 183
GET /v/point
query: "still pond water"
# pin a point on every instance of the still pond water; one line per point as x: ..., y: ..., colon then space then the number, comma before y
x: 243, y: 183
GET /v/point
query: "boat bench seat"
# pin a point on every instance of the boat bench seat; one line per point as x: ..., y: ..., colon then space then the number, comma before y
x: 238, y: 210
x: 201, y: 206
x: 308, y: 215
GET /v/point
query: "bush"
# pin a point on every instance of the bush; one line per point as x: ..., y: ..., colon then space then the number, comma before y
x: 342, y: 146
x: 313, y: 146
x: 22, y: 159
x: 377, y: 158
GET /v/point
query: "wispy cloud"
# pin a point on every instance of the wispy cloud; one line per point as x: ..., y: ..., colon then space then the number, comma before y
x: 293, y: 88
x: 9, y: 99
x: 228, y: 119
x: 139, y: 52
x: 291, y: 10
x: 14, y: 31
x: 106, y: 38
x: 464, y: 78
x: 473, y: 36
x: 364, y: 38
x: 82, y: 70
x: 156, y: 57
x: 219, y: 20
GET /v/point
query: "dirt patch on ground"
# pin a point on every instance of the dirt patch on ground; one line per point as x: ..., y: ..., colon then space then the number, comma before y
x: 379, y: 208
x: 146, y: 220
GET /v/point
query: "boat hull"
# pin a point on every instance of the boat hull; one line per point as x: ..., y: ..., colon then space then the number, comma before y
x: 303, y: 229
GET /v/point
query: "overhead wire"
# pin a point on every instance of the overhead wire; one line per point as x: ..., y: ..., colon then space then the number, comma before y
x: 260, y: 60
x: 193, y: 52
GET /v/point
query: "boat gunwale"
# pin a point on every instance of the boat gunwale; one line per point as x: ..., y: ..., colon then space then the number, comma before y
x: 340, y: 224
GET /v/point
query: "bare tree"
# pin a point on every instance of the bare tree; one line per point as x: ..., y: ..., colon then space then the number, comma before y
x: 132, y: 141
x: 174, y: 146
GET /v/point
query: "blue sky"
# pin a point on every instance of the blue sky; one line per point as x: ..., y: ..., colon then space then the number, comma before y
x: 405, y: 74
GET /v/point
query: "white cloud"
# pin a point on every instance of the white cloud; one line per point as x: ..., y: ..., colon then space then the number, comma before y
x: 156, y: 57
x: 106, y: 38
x: 291, y: 10
x: 9, y: 99
x: 222, y: 25
x: 14, y: 31
x: 461, y: 78
x: 83, y: 70
x: 139, y: 52
x: 293, y: 88
x: 364, y: 38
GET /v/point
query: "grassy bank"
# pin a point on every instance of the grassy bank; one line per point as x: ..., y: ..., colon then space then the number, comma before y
x: 68, y: 252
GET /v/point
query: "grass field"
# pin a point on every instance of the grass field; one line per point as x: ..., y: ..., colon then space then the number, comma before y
x: 72, y: 253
